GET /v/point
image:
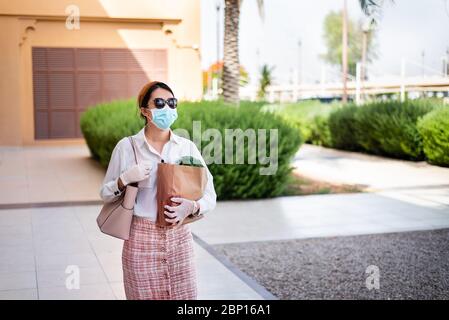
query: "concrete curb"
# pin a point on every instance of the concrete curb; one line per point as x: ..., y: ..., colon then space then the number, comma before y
x: 228, y: 264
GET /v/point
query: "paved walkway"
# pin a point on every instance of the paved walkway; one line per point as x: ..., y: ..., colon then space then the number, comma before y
x: 418, y: 183
x: 405, y: 196
x: 38, y: 240
x: 377, y: 173
x: 299, y: 217
x: 48, y: 174
x: 36, y: 244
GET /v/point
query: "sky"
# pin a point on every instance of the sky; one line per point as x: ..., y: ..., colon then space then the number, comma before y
x: 406, y: 29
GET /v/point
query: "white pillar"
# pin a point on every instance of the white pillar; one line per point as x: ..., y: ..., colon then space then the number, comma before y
x: 323, y: 79
x: 270, y: 95
x: 402, y: 80
x: 444, y: 66
x: 295, y: 89
x: 215, y: 88
x: 357, y: 83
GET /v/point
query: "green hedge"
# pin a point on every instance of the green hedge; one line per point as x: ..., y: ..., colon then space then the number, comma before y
x: 383, y: 128
x: 390, y: 128
x: 434, y: 130
x: 320, y: 133
x: 342, y: 127
x: 308, y: 116
x: 104, y: 125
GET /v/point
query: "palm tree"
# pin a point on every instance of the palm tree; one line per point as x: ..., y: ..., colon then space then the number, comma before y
x: 371, y: 8
x: 231, y: 72
x: 266, y: 79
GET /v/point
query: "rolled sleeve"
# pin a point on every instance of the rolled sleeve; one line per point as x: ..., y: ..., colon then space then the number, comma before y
x: 208, y: 201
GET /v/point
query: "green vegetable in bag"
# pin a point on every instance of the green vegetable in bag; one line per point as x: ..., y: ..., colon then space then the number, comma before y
x: 189, y: 161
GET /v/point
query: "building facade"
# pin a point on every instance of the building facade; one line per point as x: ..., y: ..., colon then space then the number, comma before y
x: 58, y: 58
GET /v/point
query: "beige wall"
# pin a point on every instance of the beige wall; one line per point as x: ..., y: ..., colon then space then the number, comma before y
x: 112, y: 24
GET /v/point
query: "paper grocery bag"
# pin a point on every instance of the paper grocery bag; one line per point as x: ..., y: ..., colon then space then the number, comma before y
x: 174, y: 180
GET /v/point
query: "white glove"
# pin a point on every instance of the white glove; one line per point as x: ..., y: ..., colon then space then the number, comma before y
x: 136, y: 173
x: 181, y: 211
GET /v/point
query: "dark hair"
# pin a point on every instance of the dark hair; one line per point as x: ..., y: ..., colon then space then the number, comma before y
x: 146, y: 92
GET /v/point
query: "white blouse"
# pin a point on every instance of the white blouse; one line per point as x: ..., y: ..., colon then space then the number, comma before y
x: 122, y: 158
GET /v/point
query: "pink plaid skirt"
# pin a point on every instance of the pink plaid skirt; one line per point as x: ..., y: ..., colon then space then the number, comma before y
x: 158, y: 262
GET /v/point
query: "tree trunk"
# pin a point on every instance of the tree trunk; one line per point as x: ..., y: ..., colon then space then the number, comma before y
x: 231, y: 65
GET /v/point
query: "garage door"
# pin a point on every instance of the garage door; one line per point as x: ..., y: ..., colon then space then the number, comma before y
x: 67, y: 81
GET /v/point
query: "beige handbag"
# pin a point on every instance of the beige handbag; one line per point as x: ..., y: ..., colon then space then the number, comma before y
x: 115, y: 217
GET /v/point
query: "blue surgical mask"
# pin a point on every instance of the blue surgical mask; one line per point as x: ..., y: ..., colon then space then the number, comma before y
x: 164, y: 118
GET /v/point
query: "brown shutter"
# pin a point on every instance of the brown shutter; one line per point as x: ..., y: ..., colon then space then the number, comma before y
x: 67, y: 81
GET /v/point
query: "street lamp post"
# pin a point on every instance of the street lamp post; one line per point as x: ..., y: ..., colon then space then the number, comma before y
x: 345, y: 53
x: 366, y: 29
x: 444, y: 60
x: 218, y: 48
x: 423, y: 55
x: 300, y: 66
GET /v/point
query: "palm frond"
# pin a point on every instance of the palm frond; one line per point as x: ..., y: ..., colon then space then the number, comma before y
x: 260, y: 6
x: 373, y: 9
x: 369, y: 6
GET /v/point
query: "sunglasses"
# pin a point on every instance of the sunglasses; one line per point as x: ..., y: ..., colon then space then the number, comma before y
x: 160, y: 102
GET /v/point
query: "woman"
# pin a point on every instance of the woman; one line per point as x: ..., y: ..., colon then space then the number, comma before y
x: 158, y: 261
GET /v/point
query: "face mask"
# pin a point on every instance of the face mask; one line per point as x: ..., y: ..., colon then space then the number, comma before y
x: 164, y: 118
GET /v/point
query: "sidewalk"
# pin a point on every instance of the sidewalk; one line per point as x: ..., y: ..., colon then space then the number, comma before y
x: 405, y: 196
x: 418, y: 183
x: 36, y: 244
x: 376, y: 172
x: 299, y: 217
x: 48, y: 174
x: 38, y: 240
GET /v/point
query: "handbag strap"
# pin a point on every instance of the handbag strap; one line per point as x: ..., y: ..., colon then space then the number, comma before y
x: 131, y: 140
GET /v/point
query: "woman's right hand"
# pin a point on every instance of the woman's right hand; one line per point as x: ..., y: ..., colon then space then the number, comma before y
x: 136, y: 173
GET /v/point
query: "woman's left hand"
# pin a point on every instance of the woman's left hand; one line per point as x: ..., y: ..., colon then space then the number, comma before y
x: 179, y: 212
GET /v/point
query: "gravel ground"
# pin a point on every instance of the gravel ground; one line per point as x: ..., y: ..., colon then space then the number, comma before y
x: 412, y: 265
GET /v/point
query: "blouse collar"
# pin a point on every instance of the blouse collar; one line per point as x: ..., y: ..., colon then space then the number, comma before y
x: 141, y: 139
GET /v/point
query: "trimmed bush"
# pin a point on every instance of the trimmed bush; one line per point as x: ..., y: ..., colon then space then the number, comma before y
x: 307, y: 116
x: 342, y: 128
x: 434, y: 130
x: 320, y: 133
x: 390, y: 128
x: 384, y: 128
x: 104, y: 125
x: 243, y: 181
